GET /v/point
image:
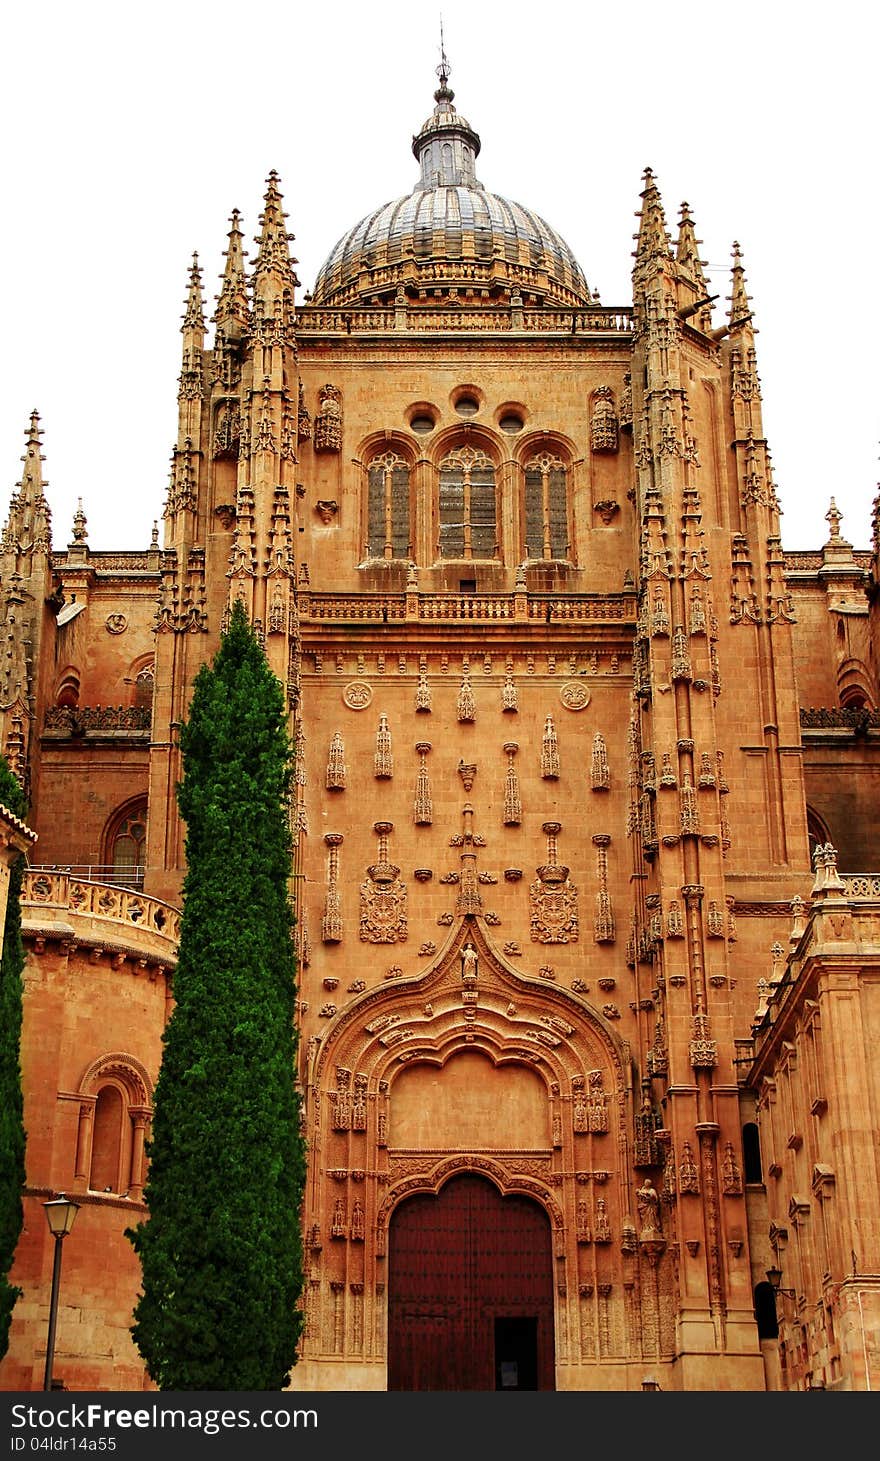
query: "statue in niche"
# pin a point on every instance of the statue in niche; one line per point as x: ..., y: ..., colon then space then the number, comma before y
x: 468, y: 963
x: 648, y: 1200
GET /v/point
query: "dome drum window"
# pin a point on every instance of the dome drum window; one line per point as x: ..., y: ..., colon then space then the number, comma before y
x: 467, y: 505
x: 388, y: 529
x: 546, y: 504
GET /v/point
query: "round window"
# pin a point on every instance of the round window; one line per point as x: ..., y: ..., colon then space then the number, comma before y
x: 422, y: 424
x: 511, y: 423
x: 467, y: 406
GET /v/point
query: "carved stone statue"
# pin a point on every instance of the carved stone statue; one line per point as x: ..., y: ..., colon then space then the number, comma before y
x: 648, y: 1200
x: 468, y: 963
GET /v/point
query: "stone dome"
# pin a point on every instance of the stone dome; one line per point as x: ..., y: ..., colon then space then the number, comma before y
x: 450, y: 237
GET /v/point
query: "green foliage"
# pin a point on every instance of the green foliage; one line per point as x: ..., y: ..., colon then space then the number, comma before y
x: 220, y: 1251
x: 12, y: 1134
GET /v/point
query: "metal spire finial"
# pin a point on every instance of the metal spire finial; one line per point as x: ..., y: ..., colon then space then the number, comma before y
x: 443, y: 68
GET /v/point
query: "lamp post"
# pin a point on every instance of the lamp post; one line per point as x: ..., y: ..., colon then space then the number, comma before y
x: 60, y: 1213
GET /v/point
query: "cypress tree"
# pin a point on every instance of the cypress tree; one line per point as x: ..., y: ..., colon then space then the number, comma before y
x: 220, y: 1249
x: 12, y: 1134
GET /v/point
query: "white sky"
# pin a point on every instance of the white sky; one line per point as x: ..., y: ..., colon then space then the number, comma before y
x: 130, y: 133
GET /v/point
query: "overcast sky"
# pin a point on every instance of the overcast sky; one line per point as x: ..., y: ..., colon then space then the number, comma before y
x: 130, y: 133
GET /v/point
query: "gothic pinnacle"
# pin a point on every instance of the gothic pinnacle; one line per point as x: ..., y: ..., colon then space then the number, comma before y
x: 740, y: 313
x: 32, y: 484
x: 232, y: 302
x: 652, y: 239
x: 687, y: 253
x: 272, y: 252
x: 194, y: 318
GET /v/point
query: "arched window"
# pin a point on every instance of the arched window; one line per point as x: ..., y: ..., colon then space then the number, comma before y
x: 143, y: 689
x: 114, y: 1115
x: 68, y: 690
x: 104, y: 1173
x: 752, y: 1153
x: 467, y: 505
x: 388, y: 531
x: 817, y: 831
x: 126, y: 843
x: 546, y: 508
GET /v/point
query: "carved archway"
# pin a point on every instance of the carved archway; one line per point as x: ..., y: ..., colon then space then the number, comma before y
x: 580, y: 1173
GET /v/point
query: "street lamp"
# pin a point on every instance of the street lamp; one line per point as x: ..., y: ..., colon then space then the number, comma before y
x: 60, y: 1213
x: 774, y: 1278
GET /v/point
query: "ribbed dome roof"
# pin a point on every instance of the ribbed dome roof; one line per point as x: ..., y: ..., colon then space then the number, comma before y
x: 450, y: 234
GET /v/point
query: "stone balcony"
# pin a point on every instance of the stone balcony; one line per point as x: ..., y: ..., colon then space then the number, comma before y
x: 103, y: 917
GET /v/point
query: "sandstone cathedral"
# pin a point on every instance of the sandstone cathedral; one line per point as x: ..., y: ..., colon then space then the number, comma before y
x: 586, y: 781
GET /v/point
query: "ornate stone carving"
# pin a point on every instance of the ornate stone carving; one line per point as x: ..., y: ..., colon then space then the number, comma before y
x: 423, y: 694
x: 603, y: 421
x: 600, y: 775
x: 423, y: 813
x: 603, y: 932
x: 357, y: 695
x: 574, y: 695
x: 466, y: 708
x: 512, y: 815
x: 383, y: 896
x: 383, y: 763
x: 549, y: 751
x: 554, y: 918
x: 328, y: 421
x: 331, y: 925
x: 688, y: 1177
x: 335, y: 776
x: 731, y: 1177
x: 509, y: 697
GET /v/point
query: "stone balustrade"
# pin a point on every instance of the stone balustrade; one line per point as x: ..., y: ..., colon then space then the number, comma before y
x: 57, y: 904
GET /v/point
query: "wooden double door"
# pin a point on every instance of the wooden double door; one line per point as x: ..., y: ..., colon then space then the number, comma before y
x: 470, y: 1291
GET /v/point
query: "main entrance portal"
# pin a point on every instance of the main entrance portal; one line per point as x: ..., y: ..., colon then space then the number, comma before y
x: 470, y: 1291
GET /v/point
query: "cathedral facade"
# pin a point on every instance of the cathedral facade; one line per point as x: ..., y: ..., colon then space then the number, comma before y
x: 586, y: 779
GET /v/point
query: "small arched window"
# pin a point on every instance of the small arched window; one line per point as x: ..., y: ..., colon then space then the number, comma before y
x: 127, y: 846
x: 143, y: 689
x: 104, y: 1173
x: 388, y: 531
x: 467, y: 505
x: 546, y: 508
x: 752, y: 1153
x: 68, y: 691
x: 114, y: 1117
x: 817, y: 832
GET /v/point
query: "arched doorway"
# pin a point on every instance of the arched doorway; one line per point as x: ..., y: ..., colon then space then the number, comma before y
x: 470, y: 1291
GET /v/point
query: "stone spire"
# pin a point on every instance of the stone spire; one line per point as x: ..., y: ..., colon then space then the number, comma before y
x: 231, y: 314
x: 194, y: 318
x: 28, y: 524
x: 652, y: 239
x: 687, y: 251
x: 273, y: 255
x: 740, y: 311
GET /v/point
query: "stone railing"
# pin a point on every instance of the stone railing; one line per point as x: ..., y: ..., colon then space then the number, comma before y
x: 318, y: 321
x: 838, y: 717
x: 556, y: 609
x: 861, y: 885
x: 77, y: 720
x: 101, y: 915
